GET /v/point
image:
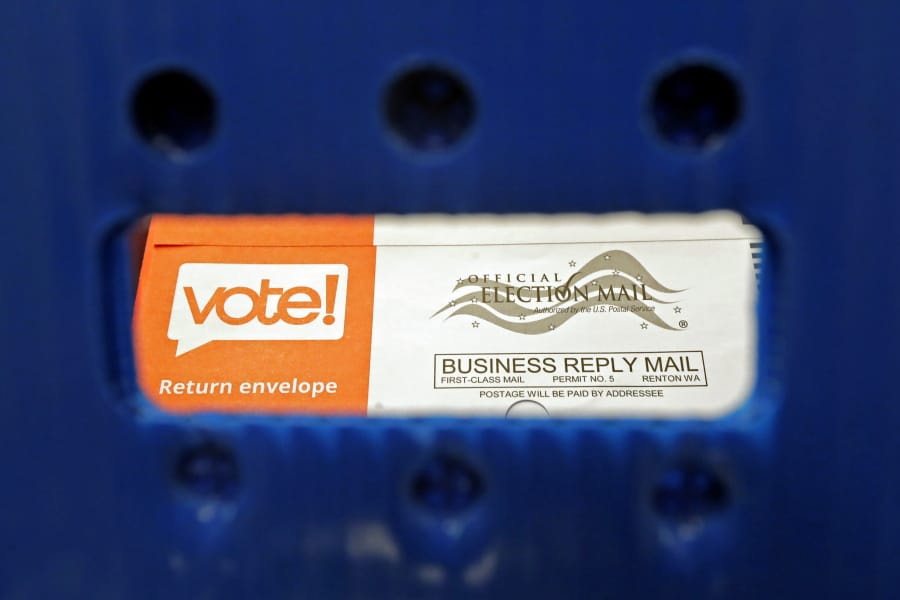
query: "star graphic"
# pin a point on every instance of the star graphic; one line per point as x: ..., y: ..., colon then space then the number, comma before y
x: 474, y: 299
x: 594, y: 282
x: 522, y: 317
x: 615, y: 271
x: 640, y: 277
x: 460, y: 280
x: 644, y: 326
x: 453, y: 303
x: 552, y: 327
x: 606, y: 257
x: 475, y: 324
x: 572, y: 263
x: 678, y: 309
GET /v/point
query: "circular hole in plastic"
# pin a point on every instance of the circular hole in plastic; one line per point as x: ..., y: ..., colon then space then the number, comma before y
x: 429, y: 108
x: 689, y: 492
x: 207, y: 471
x: 447, y: 484
x: 174, y: 112
x: 695, y: 106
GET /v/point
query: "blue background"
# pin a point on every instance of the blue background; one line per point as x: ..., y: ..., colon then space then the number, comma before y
x: 102, y: 499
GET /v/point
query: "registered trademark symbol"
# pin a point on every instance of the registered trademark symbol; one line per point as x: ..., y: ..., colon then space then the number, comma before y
x: 682, y: 323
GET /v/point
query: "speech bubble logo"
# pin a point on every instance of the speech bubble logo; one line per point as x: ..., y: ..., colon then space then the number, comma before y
x: 222, y: 302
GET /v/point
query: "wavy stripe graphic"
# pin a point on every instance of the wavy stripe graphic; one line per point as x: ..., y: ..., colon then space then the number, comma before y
x: 553, y: 321
x: 608, y: 261
x: 515, y: 309
x: 626, y: 271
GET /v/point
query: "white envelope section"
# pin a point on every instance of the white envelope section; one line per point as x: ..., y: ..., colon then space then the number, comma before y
x: 623, y: 315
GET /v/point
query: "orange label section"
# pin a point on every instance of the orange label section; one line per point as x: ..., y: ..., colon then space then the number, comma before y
x: 256, y: 314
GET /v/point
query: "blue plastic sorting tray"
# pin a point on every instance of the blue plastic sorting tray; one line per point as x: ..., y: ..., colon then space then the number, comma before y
x: 791, y: 120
